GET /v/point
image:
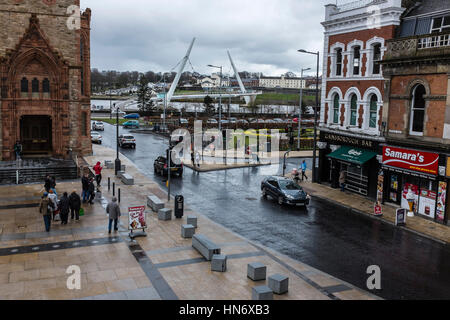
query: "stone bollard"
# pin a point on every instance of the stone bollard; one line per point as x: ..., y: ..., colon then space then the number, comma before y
x: 256, y: 271
x: 187, y: 231
x: 262, y: 293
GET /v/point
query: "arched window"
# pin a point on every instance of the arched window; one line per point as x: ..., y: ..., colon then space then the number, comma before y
x: 417, y: 110
x: 336, y: 108
x: 338, y: 62
x: 353, y: 109
x: 46, y: 86
x: 24, y: 85
x: 373, y: 111
x: 35, y: 85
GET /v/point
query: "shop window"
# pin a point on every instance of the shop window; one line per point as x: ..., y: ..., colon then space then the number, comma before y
x: 339, y: 62
x: 353, y: 110
x: 373, y: 112
x: 376, y: 59
x: 336, y: 109
x: 417, y: 110
x: 356, y: 60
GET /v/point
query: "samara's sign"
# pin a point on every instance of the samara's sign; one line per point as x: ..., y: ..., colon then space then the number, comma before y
x: 424, y: 162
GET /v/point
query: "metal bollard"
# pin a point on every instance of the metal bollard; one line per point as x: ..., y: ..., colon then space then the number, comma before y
x: 114, y: 189
x: 109, y: 184
x: 118, y: 193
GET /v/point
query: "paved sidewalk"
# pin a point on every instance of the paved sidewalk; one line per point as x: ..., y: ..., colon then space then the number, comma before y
x: 362, y: 205
x: 163, y: 265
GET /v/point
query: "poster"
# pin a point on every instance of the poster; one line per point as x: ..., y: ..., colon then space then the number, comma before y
x: 415, y: 190
x: 400, y: 217
x: 136, y: 218
x: 378, y: 210
x: 427, y: 203
x: 442, y: 196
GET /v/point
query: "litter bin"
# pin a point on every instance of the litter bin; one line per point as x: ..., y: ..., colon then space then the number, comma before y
x: 179, y: 207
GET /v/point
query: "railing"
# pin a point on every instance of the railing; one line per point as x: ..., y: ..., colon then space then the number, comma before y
x: 357, y: 4
x: 437, y: 41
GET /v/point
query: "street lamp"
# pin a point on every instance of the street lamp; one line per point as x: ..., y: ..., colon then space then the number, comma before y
x: 118, y: 164
x: 300, y: 109
x: 314, y: 169
x: 220, y: 96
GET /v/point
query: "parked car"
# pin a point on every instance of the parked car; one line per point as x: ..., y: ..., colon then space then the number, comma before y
x: 98, y: 126
x: 132, y: 116
x: 243, y: 121
x: 278, y: 120
x: 127, y: 141
x: 260, y: 121
x: 232, y: 120
x: 161, y: 167
x: 224, y: 121
x: 184, y: 121
x: 131, y: 124
x: 96, y: 137
x: 212, y: 121
x: 285, y: 191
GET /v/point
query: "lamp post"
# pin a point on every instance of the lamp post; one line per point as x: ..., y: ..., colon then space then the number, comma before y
x: 314, y: 169
x: 118, y: 163
x: 220, y: 96
x: 300, y: 109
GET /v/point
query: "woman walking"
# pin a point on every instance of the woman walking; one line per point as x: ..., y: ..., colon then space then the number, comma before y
x: 46, y: 208
x: 98, y: 173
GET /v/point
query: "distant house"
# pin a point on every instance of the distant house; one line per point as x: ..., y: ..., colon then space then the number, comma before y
x: 282, y: 82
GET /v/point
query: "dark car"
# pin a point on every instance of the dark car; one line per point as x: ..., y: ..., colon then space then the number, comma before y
x: 285, y: 191
x: 127, y: 141
x: 161, y: 167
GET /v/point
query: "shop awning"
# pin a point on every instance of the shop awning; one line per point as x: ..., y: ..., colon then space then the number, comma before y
x: 353, y: 155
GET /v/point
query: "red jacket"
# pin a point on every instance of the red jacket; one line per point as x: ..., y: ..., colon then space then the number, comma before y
x: 98, y: 169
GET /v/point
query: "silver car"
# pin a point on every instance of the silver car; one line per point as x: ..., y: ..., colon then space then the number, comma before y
x: 98, y: 126
x: 96, y: 137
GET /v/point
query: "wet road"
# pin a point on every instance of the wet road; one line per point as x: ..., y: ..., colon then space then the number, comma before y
x: 325, y: 236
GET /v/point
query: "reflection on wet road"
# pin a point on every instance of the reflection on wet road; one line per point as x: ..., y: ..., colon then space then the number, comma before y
x: 325, y: 236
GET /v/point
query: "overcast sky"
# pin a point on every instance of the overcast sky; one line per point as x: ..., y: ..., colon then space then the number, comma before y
x: 262, y: 35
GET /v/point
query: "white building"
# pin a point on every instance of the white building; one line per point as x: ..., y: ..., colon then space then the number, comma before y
x: 282, y: 82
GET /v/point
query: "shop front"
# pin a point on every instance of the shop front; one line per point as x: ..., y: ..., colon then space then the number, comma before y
x: 415, y: 176
x: 355, y: 156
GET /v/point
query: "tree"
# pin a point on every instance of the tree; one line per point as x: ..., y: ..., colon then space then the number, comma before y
x: 144, y: 95
x: 209, y: 107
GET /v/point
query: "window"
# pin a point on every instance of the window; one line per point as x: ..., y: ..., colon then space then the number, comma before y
x: 35, y: 85
x: 418, y: 110
x: 338, y: 62
x: 440, y: 24
x: 336, y: 109
x: 82, y: 65
x: 373, y: 112
x: 46, y: 86
x: 356, y: 60
x: 84, y: 124
x: 376, y: 67
x: 353, y: 110
x: 24, y: 85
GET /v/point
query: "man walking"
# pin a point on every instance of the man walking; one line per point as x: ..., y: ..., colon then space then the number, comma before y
x: 64, y: 208
x: 85, y: 185
x: 304, y: 167
x: 75, y: 205
x: 113, y: 210
x: 46, y: 208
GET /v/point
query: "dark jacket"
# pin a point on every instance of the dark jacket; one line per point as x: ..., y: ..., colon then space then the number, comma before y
x: 74, y: 201
x: 91, y: 188
x: 53, y: 182
x: 85, y: 183
x: 47, y: 184
x: 64, y: 206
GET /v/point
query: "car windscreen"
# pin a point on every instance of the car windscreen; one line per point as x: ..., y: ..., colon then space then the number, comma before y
x: 129, y: 137
x: 289, y: 185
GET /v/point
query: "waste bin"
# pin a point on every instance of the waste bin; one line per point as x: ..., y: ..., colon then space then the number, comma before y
x: 179, y: 207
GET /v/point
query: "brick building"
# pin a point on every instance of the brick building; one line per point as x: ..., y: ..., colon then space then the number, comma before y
x: 352, y: 91
x: 417, y: 110
x: 44, y: 78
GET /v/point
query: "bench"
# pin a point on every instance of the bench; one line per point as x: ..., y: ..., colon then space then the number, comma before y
x: 205, y: 247
x: 155, y: 203
x: 127, y: 179
x: 120, y: 174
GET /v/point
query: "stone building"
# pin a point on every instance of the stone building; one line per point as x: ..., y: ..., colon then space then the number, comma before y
x: 352, y: 91
x: 44, y: 78
x: 416, y: 68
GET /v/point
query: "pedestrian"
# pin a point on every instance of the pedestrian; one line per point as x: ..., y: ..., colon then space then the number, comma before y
x: 18, y: 149
x: 91, y: 191
x: 54, y: 199
x: 304, y: 167
x: 64, y: 208
x: 342, y: 179
x: 192, y: 158
x: 46, y: 209
x: 53, y: 185
x: 197, y: 159
x: 113, y: 210
x: 296, y: 176
x: 98, y: 173
x: 75, y: 205
x: 47, y: 184
x: 85, y: 185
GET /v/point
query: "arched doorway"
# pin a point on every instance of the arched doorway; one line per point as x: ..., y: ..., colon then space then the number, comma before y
x: 36, y: 135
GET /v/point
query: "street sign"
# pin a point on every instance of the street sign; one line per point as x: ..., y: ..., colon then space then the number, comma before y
x: 136, y: 218
x: 400, y: 217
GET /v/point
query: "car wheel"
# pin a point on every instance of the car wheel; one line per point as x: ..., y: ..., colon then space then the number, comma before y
x: 280, y: 200
x: 264, y: 193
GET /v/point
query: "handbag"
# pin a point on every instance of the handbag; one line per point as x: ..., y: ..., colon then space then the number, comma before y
x: 81, y: 213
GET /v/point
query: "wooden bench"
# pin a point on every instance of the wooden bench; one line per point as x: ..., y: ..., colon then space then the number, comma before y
x: 205, y: 247
x: 127, y: 179
x: 155, y: 203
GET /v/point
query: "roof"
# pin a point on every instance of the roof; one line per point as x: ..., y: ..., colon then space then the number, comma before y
x: 425, y: 7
